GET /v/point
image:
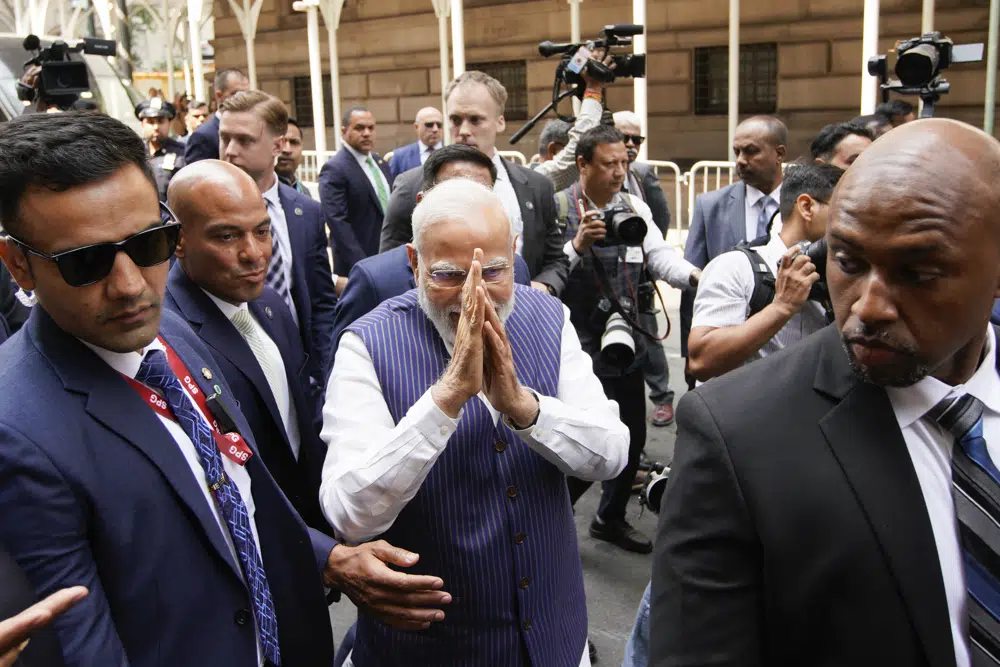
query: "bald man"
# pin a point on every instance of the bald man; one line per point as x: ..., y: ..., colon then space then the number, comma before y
x: 429, y: 125
x: 836, y: 503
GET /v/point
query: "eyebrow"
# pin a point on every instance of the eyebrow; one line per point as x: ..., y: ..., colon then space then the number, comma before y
x: 443, y: 266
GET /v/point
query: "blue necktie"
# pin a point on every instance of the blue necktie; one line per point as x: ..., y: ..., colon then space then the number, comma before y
x: 976, y: 490
x: 275, y: 278
x: 766, y: 211
x: 155, y: 372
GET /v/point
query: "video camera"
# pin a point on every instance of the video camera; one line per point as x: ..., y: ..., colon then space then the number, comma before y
x: 919, y: 63
x: 820, y: 292
x: 62, y: 79
x: 577, y: 56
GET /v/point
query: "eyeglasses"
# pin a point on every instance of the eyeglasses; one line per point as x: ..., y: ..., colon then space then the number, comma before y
x: 430, y: 125
x: 636, y: 139
x: 455, y: 278
x: 84, y: 266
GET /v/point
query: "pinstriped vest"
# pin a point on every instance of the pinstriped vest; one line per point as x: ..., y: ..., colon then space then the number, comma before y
x: 492, y: 518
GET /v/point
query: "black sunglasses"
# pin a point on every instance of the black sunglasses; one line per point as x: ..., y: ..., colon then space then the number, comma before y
x: 432, y: 124
x: 636, y: 139
x: 84, y: 266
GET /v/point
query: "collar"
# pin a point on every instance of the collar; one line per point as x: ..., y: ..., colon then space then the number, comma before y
x: 913, y: 402
x: 290, y: 181
x: 777, y: 245
x: 358, y: 155
x: 424, y: 147
x: 126, y: 363
x: 754, y: 195
x: 228, y: 309
x: 501, y: 170
x: 272, y: 195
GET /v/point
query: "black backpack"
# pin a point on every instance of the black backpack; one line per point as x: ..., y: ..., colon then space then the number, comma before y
x: 763, y: 280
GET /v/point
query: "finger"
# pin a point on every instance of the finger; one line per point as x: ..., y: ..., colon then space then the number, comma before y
x: 9, y: 658
x: 399, y: 625
x: 61, y: 601
x: 16, y: 629
x: 787, y: 257
x: 808, y: 268
x: 814, y: 278
x: 386, y: 581
x: 479, y: 314
x: 494, y: 342
x: 581, y: 209
x: 423, y: 599
x: 408, y: 614
x: 387, y: 553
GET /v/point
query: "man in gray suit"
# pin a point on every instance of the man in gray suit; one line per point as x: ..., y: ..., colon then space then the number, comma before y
x: 741, y: 211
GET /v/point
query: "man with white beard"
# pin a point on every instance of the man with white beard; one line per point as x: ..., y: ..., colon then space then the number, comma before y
x: 453, y: 415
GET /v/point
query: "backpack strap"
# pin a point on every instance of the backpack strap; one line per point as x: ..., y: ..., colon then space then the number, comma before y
x: 562, y: 208
x: 763, y: 280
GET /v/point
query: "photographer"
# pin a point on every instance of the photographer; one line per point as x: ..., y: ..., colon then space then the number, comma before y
x: 741, y: 314
x: 614, y: 246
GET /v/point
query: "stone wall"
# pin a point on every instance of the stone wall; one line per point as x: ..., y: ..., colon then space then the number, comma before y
x: 389, y: 58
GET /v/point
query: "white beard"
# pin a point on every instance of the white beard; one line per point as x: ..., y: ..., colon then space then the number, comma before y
x: 441, y: 317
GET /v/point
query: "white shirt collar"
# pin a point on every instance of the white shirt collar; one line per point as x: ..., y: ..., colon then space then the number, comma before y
x: 498, y: 163
x: 913, y: 402
x: 272, y: 196
x: 424, y: 148
x: 228, y: 309
x: 126, y: 363
x: 358, y: 155
x: 754, y: 195
x: 777, y: 245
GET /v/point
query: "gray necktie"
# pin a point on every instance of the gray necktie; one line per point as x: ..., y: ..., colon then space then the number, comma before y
x: 243, y: 322
x: 767, y: 207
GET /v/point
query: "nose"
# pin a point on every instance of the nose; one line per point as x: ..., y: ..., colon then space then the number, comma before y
x: 125, y: 280
x: 874, y: 304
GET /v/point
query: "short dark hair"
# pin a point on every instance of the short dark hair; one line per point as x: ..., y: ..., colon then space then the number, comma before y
x: 826, y: 142
x: 592, y: 138
x: 222, y: 78
x: 454, y: 153
x: 816, y: 179
x: 197, y: 104
x: 63, y: 151
x: 876, y: 120
x: 357, y: 108
x: 555, y: 130
x: 295, y: 122
x: 894, y: 108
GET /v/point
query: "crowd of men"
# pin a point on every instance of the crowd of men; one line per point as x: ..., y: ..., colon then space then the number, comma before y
x: 224, y: 404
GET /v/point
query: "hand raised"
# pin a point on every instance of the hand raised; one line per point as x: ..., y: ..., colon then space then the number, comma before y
x: 500, y: 383
x: 464, y: 376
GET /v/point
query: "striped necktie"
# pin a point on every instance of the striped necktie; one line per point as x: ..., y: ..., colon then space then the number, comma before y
x: 276, y: 275
x: 383, y: 194
x: 976, y: 490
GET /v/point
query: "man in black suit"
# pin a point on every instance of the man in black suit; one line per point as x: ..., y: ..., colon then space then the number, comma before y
x: 475, y: 105
x: 830, y: 504
x: 203, y: 144
x: 217, y: 285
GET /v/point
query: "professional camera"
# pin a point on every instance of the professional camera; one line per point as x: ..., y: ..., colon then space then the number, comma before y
x: 617, y: 342
x: 820, y: 293
x: 624, y: 226
x: 652, y: 492
x: 919, y: 63
x: 62, y: 79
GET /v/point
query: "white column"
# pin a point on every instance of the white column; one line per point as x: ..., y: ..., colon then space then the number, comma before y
x: 188, y: 83
x: 169, y: 30
x: 194, y: 40
x: 19, y: 26
x: 247, y: 17
x: 926, y: 26
x: 442, y: 8
x: 869, y: 48
x: 458, y: 37
x: 37, y: 11
x: 574, y: 36
x: 331, y: 16
x: 734, y: 73
x: 991, y: 66
x: 639, y: 82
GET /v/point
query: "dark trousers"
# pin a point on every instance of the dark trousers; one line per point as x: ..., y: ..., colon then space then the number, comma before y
x: 630, y: 393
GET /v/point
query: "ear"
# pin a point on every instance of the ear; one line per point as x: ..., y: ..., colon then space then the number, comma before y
x: 780, y: 150
x: 411, y: 253
x: 179, y: 250
x: 580, y: 162
x: 278, y: 146
x: 552, y: 149
x: 17, y: 264
x: 501, y: 124
x: 513, y: 247
x: 805, y: 205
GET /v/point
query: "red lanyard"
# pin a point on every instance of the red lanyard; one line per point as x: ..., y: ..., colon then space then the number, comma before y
x: 231, y: 445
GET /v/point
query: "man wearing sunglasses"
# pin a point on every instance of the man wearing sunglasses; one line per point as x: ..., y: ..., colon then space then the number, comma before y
x: 429, y: 125
x: 123, y: 455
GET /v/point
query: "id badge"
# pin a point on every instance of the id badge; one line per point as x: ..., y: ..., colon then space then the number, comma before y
x: 170, y: 161
x: 633, y: 254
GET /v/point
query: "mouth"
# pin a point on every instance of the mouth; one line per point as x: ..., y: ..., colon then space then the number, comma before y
x: 132, y: 317
x: 254, y: 277
x: 872, y: 352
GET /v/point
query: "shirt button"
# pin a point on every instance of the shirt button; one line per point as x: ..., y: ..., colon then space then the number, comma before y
x: 500, y: 446
x: 519, y: 538
x: 242, y: 618
x: 525, y: 582
x: 527, y: 624
x: 443, y: 430
x: 511, y: 491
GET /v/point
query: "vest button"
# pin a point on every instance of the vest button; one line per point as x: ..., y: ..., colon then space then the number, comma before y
x: 242, y: 618
x: 525, y: 582
x: 527, y: 624
x: 500, y: 445
x: 519, y: 538
x: 511, y: 491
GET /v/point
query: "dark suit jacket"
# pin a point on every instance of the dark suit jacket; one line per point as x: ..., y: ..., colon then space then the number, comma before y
x: 104, y: 498
x: 16, y: 595
x: 542, y: 245
x: 793, y: 530
x: 405, y: 158
x: 351, y: 208
x: 382, y: 277
x: 651, y: 192
x: 313, y: 292
x: 203, y: 143
x: 298, y: 479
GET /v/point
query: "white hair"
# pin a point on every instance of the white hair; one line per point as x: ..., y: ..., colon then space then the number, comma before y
x: 626, y: 118
x: 459, y: 199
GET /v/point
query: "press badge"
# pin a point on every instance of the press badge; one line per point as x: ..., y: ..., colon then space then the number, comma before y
x: 170, y: 161
x: 633, y: 254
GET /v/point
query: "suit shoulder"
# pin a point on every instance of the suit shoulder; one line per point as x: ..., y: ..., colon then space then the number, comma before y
x: 535, y: 179
x: 288, y: 193
x: 713, y: 197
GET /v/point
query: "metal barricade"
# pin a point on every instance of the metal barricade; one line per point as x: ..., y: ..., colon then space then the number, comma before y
x: 516, y: 156
x: 675, y: 205
x: 312, y: 162
x: 707, y: 180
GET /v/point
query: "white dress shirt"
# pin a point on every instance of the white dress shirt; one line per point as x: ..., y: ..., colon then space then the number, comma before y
x: 505, y: 190
x: 562, y: 169
x: 279, y: 384
x: 374, y: 467
x: 754, y: 202
x: 724, y: 293
x: 128, y: 364
x: 362, y: 159
x: 930, y: 448
x: 662, y: 259
x: 425, y: 150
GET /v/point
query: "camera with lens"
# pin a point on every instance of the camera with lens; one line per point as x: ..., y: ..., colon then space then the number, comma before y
x: 624, y: 226
x: 652, y: 491
x: 62, y: 79
x: 820, y: 293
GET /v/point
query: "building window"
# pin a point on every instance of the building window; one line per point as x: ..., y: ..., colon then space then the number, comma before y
x: 514, y: 77
x: 758, y: 79
x: 303, y: 104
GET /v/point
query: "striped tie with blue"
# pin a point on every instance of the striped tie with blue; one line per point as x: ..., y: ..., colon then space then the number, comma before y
x: 976, y: 490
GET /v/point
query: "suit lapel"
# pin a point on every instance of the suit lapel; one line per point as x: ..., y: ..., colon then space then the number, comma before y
x: 113, y: 403
x: 533, y: 241
x: 362, y: 173
x: 299, y: 241
x: 737, y: 215
x: 865, y: 438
